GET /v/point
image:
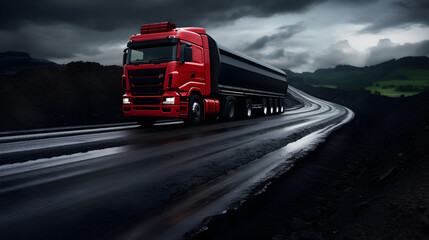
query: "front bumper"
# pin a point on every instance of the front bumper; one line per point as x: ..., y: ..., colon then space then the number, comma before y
x: 151, y: 106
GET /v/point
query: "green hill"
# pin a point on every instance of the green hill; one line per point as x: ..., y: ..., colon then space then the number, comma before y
x: 402, y: 77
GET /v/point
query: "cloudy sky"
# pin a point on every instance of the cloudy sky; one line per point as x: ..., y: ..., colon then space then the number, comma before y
x: 299, y: 35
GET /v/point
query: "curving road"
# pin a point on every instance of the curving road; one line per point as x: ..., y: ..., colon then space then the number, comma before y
x: 126, y: 182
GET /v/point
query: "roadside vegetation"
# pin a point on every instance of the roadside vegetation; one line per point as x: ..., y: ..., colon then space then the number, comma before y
x: 78, y: 93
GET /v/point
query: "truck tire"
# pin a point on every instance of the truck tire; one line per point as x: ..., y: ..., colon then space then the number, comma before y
x: 270, y: 106
x: 195, y: 110
x: 249, y: 110
x: 276, y: 106
x: 231, y: 108
x: 282, y: 106
x: 264, y: 107
x: 146, y: 121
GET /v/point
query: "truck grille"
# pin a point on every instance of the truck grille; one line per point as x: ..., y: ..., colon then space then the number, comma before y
x: 147, y: 81
x: 146, y: 101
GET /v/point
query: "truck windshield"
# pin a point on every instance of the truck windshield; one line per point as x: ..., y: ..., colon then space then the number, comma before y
x: 156, y: 54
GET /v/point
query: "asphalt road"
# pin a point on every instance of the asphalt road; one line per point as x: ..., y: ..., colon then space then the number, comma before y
x: 128, y: 182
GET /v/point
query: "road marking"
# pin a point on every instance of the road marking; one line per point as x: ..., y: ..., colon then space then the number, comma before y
x: 21, y: 167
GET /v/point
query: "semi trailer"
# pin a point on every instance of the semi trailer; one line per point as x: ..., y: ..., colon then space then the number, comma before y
x: 184, y: 73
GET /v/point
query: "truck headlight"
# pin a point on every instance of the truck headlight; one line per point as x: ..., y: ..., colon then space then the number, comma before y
x: 168, y: 101
x: 126, y: 101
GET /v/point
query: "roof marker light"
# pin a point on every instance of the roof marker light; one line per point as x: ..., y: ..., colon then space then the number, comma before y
x: 157, y: 27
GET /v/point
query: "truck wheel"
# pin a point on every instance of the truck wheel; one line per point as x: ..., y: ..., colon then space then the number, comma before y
x: 146, y: 121
x: 264, y: 107
x: 195, y: 110
x: 231, y: 108
x: 270, y: 106
x: 248, y: 108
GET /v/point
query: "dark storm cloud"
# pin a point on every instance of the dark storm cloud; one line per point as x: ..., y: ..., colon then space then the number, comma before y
x: 386, y: 50
x: 339, y: 53
x: 111, y: 14
x: 60, y: 41
x: 342, y: 53
x: 278, y: 57
x: 283, y: 33
x: 293, y: 60
x: 67, y: 28
x: 63, y: 29
x: 397, y: 13
x: 283, y: 59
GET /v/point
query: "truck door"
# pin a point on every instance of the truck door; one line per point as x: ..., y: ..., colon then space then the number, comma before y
x: 192, y: 70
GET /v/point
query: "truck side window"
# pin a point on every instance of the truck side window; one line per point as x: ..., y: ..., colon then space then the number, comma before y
x: 197, y: 54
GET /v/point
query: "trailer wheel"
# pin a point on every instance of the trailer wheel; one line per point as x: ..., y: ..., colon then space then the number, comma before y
x: 264, y: 107
x: 271, y: 106
x: 282, y: 106
x: 248, y: 108
x: 231, y: 108
x: 276, y: 106
x: 146, y: 121
x: 195, y: 110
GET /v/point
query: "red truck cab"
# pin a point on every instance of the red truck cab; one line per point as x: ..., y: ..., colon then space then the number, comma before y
x: 167, y: 74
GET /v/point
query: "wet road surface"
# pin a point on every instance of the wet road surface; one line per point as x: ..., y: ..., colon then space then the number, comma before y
x: 127, y: 182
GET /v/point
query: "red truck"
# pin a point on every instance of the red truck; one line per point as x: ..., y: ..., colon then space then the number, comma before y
x: 183, y: 73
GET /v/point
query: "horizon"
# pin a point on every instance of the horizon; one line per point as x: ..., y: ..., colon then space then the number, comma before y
x: 332, y: 67
x: 299, y: 36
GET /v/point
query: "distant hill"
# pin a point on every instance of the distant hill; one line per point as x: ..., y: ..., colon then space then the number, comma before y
x: 77, y: 93
x: 397, y: 77
x: 12, y: 62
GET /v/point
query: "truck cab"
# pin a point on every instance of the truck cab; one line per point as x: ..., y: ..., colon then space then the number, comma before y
x: 164, y: 68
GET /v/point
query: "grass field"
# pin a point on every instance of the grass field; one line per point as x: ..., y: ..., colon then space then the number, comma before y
x: 406, y: 82
x: 389, y: 88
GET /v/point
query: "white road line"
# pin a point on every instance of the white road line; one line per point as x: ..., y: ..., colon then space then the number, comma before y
x: 16, y: 168
x: 63, y: 133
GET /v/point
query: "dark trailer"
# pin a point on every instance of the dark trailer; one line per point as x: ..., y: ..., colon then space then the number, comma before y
x: 233, y: 73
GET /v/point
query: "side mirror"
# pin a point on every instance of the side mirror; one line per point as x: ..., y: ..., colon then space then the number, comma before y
x: 125, y: 57
x: 185, y: 53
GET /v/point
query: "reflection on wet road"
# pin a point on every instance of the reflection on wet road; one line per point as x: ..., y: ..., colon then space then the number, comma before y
x: 157, y: 183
